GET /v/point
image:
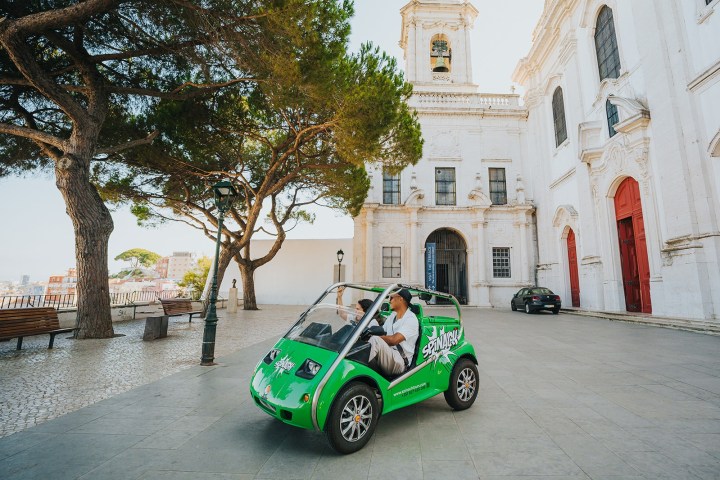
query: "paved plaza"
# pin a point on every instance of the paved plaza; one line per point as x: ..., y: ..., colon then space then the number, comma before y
x: 561, y: 397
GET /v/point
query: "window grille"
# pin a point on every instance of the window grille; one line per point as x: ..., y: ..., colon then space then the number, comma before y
x: 558, y: 107
x: 391, y: 262
x: 391, y: 189
x: 445, y: 186
x: 501, y: 262
x: 498, y: 189
x: 606, y: 46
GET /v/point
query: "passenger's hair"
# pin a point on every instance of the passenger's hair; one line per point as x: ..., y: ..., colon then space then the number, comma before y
x: 365, y: 304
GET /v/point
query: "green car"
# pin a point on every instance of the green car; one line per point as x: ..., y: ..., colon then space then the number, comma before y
x: 318, y: 375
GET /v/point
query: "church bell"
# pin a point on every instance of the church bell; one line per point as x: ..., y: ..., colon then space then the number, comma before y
x: 440, y: 65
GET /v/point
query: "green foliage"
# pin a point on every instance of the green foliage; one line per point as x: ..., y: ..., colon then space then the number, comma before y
x: 194, y: 280
x: 139, y: 256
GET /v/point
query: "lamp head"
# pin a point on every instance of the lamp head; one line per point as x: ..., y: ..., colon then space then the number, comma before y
x: 340, y: 255
x: 225, y: 194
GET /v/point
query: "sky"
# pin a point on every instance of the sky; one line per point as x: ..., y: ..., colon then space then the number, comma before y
x: 37, y: 235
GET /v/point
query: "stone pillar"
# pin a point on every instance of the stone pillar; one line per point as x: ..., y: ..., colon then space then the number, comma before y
x: 410, y: 55
x: 483, y: 287
x: 523, y: 252
x: 413, y: 248
x: 369, y: 253
x: 232, y: 299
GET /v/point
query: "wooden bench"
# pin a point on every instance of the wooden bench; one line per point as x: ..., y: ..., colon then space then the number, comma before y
x: 178, y: 306
x: 25, y: 322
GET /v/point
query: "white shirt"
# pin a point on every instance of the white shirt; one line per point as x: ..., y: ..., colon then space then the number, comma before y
x: 408, y: 326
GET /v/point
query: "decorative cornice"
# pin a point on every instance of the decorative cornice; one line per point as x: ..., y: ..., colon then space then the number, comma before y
x: 562, y: 178
x: 705, y: 78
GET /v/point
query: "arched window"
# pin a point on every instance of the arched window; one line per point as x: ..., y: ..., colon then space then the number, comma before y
x: 606, y: 46
x: 440, y: 54
x: 558, y: 107
x: 612, y: 117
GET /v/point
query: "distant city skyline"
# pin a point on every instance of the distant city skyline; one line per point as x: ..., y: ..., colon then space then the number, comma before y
x: 38, y: 236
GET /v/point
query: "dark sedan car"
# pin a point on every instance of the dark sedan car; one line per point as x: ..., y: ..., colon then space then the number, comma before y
x: 535, y: 298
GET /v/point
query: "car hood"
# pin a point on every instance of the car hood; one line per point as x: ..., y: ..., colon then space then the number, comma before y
x: 278, y: 383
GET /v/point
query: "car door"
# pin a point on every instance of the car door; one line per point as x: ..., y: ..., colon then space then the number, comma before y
x: 519, y: 298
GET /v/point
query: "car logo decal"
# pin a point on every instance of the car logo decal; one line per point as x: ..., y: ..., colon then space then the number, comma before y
x: 440, y: 343
x: 283, y: 365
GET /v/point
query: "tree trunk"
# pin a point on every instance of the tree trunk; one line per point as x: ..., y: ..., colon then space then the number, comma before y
x: 247, y: 273
x: 93, y: 225
x: 225, y: 256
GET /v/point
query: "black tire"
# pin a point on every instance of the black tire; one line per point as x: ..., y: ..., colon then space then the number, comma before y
x: 528, y: 310
x: 555, y: 311
x: 513, y: 307
x: 353, y: 418
x: 463, y: 388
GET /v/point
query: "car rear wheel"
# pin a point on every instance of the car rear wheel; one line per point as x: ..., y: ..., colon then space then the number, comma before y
x: 556, y: 310
x: 353, y: 418
x: 528, y: 310
x: 463, y: 389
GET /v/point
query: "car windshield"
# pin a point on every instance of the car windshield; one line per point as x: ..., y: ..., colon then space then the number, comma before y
x: 542, y: 291
x: 327, y: 324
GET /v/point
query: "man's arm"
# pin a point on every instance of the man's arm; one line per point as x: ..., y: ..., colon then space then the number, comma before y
x: 393, y: 339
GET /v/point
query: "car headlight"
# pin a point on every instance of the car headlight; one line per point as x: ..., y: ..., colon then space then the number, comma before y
x: 308, y: 369
x: 270, y: 357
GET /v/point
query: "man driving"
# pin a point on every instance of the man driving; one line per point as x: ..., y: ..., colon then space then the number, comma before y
x: 395, y: 350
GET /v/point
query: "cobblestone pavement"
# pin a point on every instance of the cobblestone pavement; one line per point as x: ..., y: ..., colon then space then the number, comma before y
x: 37, y: 384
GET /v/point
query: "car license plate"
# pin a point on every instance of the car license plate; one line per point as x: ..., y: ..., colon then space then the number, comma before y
x: 549, y: 306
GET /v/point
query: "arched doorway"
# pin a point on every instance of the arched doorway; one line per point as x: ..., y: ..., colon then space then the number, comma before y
x: 446, y: 263
x: 573, y: 267
x: 633, y: 247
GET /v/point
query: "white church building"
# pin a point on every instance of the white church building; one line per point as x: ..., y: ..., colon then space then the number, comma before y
x: 601, y: 183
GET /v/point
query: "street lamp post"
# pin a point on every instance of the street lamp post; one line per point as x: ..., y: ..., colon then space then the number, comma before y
x: 225, y: 193
x: 340, y: 255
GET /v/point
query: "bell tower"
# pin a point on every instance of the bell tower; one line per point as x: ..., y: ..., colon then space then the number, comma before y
x: 435, y: 38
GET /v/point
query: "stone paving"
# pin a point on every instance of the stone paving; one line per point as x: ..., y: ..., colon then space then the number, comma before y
x: 561, y: 397
x: 37, y: 384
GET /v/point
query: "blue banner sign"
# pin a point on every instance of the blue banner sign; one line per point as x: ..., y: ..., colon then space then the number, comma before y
x: 430, y: 267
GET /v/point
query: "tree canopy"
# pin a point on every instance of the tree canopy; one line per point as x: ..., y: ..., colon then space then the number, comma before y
x: 76, y: 77
x: 300, y: 133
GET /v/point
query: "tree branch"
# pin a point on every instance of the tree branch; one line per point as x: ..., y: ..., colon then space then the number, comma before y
x: 32, y: 135
x: 124, y: 146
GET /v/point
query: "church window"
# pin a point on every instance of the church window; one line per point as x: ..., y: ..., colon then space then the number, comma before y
x: 501, y: 262
x: 440, y: 54
x: 498, y: 189
x: 558, y: 107
x: 606, y: 47
x: 391, y: 189
x: 391, y: 262
x: 444, y: 186
x: 612, y: 117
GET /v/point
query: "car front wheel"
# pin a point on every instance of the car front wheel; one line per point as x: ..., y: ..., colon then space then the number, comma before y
x: 353, y: 418
x: 463, y: 389
x: 513, y: 307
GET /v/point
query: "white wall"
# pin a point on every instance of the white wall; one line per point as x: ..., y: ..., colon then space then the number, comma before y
x: 298, y: 274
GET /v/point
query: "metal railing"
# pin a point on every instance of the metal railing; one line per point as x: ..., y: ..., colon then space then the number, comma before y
x: 69, y: 300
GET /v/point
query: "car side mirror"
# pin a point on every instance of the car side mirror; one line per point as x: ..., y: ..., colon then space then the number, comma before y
x: 385, y: 307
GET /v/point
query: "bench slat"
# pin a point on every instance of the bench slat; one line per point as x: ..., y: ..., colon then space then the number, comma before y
x: 22, y: 322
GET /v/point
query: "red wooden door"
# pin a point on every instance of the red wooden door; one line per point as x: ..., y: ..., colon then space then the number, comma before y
x: 629, y: 264
x: 572, y: 263
x: 633, y: 247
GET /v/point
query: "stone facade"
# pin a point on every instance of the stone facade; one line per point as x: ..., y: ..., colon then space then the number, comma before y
x: 561, y: 190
